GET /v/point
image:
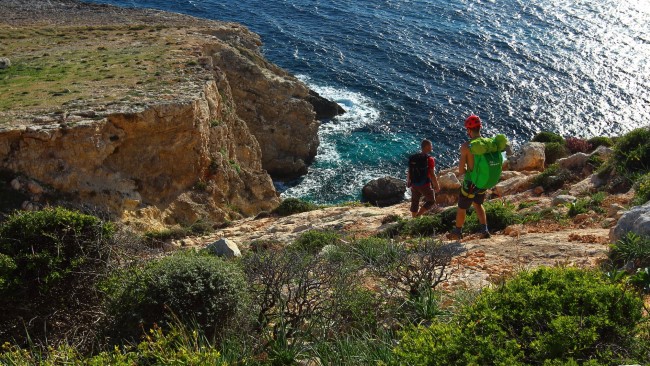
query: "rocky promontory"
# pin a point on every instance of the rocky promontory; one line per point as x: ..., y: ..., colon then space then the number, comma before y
x: 153, y: 117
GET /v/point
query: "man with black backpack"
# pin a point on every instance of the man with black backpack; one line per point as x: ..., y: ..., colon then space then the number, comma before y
x: 421, y: 178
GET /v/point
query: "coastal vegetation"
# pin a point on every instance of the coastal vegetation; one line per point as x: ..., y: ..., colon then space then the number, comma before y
x: 77, y: 289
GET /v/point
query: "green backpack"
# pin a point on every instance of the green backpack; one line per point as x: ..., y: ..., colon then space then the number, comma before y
x: 488, y: 160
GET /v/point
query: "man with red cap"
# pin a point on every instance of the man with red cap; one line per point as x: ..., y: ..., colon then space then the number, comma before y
x: 469, y: 193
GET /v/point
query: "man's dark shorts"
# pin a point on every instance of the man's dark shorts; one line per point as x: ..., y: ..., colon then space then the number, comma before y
x: 418, y: 192
x: 470, y: 194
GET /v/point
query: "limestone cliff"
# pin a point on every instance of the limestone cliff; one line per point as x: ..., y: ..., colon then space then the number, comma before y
x: 273, y: 103
x: 176, y: 118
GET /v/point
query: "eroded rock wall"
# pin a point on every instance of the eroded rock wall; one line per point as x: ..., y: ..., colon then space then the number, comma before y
x: 273, y: 103
x: 171, y: 163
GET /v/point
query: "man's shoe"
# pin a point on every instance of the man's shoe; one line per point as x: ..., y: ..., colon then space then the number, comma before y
x: 484, y: 234
x: 455, y: 234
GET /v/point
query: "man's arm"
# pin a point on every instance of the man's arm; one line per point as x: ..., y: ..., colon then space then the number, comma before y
x: 434, y: 179
x: 462, y: 164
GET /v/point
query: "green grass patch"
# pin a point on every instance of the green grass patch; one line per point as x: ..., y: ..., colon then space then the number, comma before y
x: 47, y: 61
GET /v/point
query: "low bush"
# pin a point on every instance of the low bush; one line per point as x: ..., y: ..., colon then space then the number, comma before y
x: 292, y: 206
x: 313, y: 241
x: 631, y: 248
x: 545, y: 137
x: 428, y: 225
x: 500, y: 214
x: 49, y: 248
x: 50, y: 262
x: 576, y: 145
x: 546, y: 316
x: 642, y: 190
x: 296, y: 294
x: 375, y: 251
x: 554, y: 151
x: 595, y: 161
x: 553, y: 178
x: 193, y: 288
x: 631, y: 155
x: 420, y: 226
x: 417, y: 267
x: 584, y: 205
x: 597, y: 141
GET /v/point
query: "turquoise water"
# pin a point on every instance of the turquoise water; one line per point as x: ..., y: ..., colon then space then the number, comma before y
x: 410, y: 69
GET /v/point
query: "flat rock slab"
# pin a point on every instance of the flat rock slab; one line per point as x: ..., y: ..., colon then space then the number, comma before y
x: 487, y: 261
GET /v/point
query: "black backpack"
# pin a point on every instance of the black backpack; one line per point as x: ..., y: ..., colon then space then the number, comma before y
x: 419, y: 169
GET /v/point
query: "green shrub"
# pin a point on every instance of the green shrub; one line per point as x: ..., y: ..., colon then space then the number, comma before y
x: 292, y: 206
x: 632, y: 247
x: 375, y: 251
x: 595, y: 161
x: 548, y: 137
x: 356, y: 349
x: 313, y: 241
x: 184, y: 347
x: 192, y: 287
x: 549, y: 315
x: 166, y: 234
x: 553, y: 178
x: 428, y: 225
x: 420, y: 226
x: 49, y: 248
x: 584, y: 205
x: 631, y: 155
x: 642, y: 190
x: 600, y: 141
x: 554, y: 151
x: 500, y: 214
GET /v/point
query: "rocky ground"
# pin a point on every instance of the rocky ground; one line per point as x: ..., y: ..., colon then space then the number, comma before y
x: 582, y: 241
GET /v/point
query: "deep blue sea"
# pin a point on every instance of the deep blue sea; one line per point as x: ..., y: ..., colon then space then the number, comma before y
x: 412, y: 69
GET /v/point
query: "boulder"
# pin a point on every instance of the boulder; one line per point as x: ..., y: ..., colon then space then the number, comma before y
x: 508, y: 174
x: 34, y: 188
x: 562, y: 199
x: 324, y: 108
x: 5, y: 63
x: 637, y: 220
x: 614, y: 209
x: 587, y: 185
x: 513, y: 185
x: 385, y: 191
x: 603, y: 151
x: 530, y: 157
x: 448, y: 181
x: 574, y: 162
x: 16, y: 185
x: 224, y: 248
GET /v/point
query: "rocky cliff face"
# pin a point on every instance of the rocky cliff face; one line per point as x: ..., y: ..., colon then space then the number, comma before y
x: 166, y: 163
x: 191, y: 140
x: 273, y: 103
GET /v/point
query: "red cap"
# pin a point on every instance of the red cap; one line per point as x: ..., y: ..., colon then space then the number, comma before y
x: 473, y: 122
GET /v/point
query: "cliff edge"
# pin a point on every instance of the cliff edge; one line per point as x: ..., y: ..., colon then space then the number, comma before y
x: 156, y: 118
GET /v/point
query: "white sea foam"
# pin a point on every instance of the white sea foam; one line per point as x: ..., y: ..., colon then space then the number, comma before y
x: 329, y: 167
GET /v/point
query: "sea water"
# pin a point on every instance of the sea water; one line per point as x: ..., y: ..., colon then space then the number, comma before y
x: 412, y: 69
